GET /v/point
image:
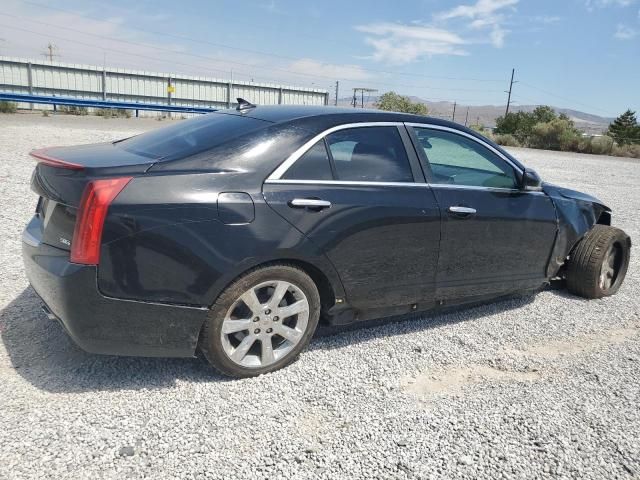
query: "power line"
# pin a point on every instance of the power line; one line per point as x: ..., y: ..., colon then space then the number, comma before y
x: 564, y: 98
x: 291, y: 72
x: 231, y: 47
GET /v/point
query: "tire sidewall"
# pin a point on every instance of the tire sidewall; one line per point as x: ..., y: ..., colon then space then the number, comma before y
x: 211, y: 344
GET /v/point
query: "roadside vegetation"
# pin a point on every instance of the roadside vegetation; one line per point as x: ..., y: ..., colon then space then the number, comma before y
x: 7, y: 107
x: 393, y: 102
x: 545, y: 129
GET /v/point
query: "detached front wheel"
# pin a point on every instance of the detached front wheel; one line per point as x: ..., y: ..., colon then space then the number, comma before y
x: 599, y: 262
x: 261, y: 322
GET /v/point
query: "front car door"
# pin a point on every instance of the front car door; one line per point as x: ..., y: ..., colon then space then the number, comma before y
x: 352, y: 190
x: 496, y: 237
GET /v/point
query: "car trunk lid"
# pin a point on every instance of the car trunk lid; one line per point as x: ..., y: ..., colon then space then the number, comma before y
x: 61, y: 176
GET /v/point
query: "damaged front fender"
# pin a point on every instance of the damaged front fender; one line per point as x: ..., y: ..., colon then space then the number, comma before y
x: 577, y: 213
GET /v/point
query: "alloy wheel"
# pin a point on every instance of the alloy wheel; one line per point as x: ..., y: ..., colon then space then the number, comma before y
x: 265, y: 324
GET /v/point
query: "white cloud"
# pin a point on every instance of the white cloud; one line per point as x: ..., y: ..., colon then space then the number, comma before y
x: 397, y: 43
x: 624, y: 32
x: 308, y: 66
x: 481, y: 9
x: 484, y: 15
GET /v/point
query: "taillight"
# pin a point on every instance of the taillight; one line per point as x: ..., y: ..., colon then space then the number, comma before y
x: 87, y: 235
x: 46, y: 159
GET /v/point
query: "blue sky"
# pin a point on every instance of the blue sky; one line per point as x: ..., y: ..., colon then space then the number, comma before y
x: 582, y: 54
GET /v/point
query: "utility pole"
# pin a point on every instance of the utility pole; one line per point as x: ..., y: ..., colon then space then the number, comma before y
x: 513, y: 71
x: 49, y: 53
x: 466, y: 118
x: 453, y: 117
x: 354, y: 100
x: 337, y: 90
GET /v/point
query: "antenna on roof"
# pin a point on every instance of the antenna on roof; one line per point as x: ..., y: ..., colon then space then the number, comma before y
x: 244, y: 105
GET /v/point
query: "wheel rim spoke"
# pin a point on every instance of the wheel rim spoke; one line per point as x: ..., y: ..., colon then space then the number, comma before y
x: 234, y: 326
x: 278, y: 294
x: 241, y: 350
x: 293, y: 309
x: 289, y: 333
x: 267, y: 356
x: 250, y: 299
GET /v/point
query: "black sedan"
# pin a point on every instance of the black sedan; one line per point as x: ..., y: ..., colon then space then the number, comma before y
x: 237, y: 232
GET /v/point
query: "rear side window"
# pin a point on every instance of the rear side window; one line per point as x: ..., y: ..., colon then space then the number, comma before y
x: 313, y: 165
x: 188, y: 137
x: 372, y: 154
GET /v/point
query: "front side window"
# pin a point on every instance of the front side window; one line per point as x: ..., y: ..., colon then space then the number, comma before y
x: 458, y: 160
x: 371, y: 154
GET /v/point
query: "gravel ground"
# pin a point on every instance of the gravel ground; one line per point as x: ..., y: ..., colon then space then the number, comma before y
x: 546, y: 385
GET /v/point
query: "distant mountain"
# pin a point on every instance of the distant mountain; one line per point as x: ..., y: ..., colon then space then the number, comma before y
x: 486, y: 114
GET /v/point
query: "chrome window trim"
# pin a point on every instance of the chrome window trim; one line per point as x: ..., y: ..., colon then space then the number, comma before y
x: 284, y: 166
x: 469, y: 136
x: 399, y: 184
x: 479, y: 187
x: 344, y: 182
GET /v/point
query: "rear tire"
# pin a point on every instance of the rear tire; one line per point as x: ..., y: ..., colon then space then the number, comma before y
x: 261, y: 322
x: 599, y: 262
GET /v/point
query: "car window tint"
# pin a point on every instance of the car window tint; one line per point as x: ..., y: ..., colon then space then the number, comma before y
x: 457, y: 160
x: 188, y: 137
x: 313, y: 165
x: 373, y: 154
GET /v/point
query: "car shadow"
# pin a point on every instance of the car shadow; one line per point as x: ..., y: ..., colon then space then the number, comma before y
x: 41, y: 352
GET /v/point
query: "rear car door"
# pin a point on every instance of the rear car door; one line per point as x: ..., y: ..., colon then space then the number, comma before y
x: 352, y: 190
x: 496, y: 237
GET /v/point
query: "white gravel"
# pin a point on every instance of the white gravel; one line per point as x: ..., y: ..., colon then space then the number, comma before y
x: 538, y: 386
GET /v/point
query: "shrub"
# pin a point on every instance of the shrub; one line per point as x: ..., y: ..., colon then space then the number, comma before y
x: 73, y: 110
x: 601, y: 145
x: 8, y: 107
x: 629, y: 150
x: 113, y: 112
x: 393, y: 102
x: 558, y: 134
x: 507, y: 140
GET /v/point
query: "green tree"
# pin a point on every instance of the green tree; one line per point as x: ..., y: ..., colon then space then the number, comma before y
x: 544, y: 114
x: 518, y: 124
x: 625, y: 129
x: 393, y: 102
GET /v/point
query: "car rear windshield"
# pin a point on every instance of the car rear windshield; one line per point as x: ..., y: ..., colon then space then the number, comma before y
x: 188, y: 137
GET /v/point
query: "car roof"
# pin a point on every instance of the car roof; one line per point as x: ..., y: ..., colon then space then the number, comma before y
x: 289, y: 113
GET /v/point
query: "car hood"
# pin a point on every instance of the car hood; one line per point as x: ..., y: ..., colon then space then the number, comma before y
x: 557, y: 191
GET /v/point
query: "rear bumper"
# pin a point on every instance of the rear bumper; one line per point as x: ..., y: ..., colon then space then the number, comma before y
x: 104, y: 325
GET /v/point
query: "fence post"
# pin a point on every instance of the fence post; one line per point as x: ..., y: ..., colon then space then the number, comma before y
x: 104, y: 84
x: 30, y: 79
x: 229, y: 93
x: 280, y: 96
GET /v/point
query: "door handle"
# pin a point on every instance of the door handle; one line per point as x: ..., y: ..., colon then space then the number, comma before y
x: 314, y: 203
x: 461, y: 211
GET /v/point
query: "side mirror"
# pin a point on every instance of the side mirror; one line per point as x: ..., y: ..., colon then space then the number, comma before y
x: 531, y: 181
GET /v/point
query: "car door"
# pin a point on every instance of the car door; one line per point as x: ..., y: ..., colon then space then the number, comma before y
x: 496, y: 237
x: 352, y: 191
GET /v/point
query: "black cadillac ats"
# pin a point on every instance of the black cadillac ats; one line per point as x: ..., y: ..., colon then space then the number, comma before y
x: 236, y: 232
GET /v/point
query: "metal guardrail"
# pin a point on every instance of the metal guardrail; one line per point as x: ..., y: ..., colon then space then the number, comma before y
x: 77, y: 102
